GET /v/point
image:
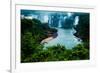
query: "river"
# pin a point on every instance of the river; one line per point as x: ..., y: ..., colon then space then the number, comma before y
x: 65, y: 37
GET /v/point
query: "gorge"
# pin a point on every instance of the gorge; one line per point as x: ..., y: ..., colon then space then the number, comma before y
x: 63, y: 22
x: 54, y: 36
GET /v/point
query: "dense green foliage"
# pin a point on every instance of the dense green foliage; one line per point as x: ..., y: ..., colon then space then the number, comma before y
x: 59, y: 53
x: 33, y: 31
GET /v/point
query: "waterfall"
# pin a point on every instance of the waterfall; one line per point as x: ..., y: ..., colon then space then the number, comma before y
x: 45, y: 18
x: 59, y: 24
x: 76, y: 20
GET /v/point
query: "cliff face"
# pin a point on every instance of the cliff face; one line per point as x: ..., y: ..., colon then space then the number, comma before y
x: 83, y: 27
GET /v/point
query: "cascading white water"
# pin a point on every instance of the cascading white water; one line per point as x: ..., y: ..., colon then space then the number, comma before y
x: 59, y: 24
x: 76, y: 20
x: 45, y: 18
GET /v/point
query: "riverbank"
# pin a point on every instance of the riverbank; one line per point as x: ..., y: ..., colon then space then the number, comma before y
x: 46, y: 40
